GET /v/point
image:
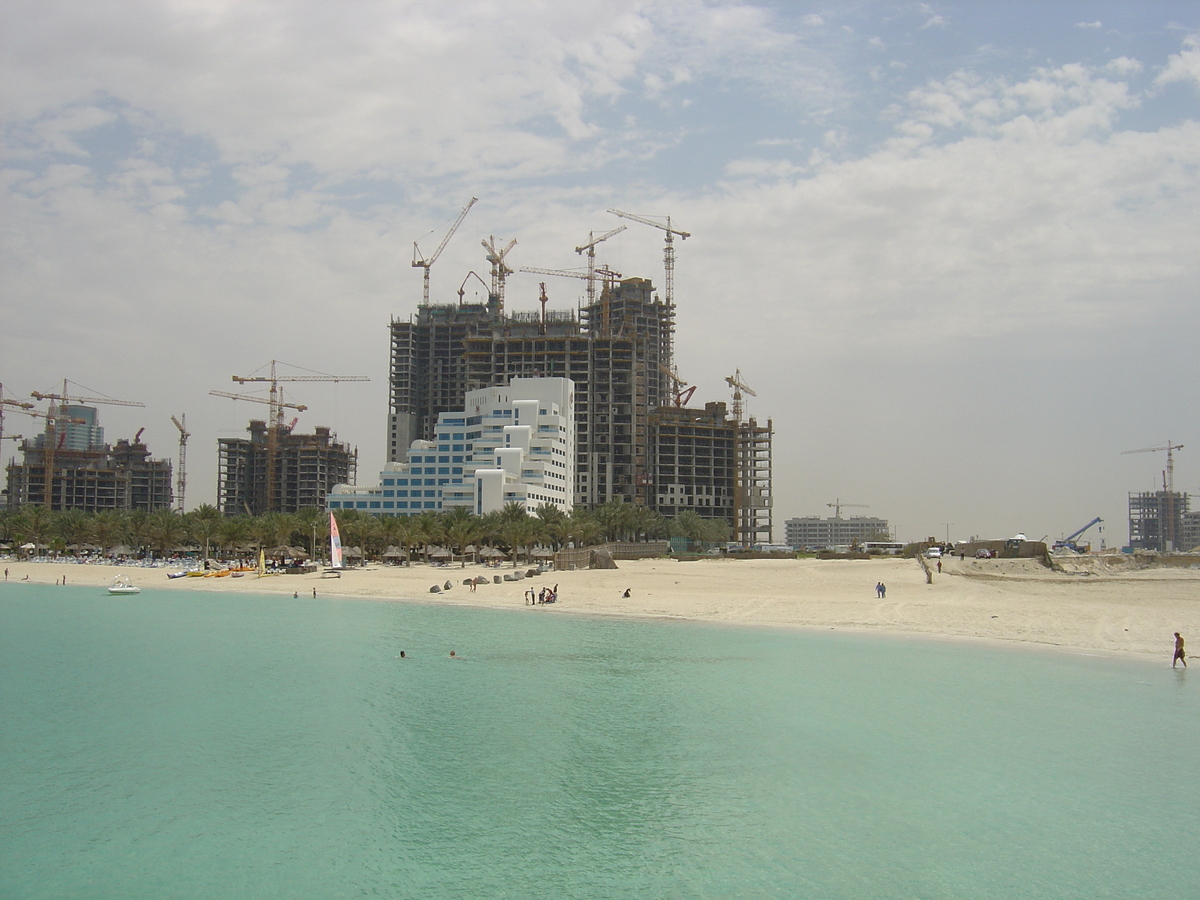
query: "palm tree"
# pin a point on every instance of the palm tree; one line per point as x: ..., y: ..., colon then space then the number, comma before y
x: 461, y: 533
x: 73, y: 527
x: 613, y: 517
x: 106, y: 529
x: 137, y: 528
x: 34, y: 524
x: 165, y: 529
x: 204, y: 524
x: 314, y: 526
x: 234, y: 534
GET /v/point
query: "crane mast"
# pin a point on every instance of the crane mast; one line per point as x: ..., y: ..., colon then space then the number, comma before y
x: 590, y: 247
x: 184, y: 434
x: 500, y: 269
x: 421, y: 262
x: 668, y: 249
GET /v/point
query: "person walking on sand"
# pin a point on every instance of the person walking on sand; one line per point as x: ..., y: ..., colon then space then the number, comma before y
x: 882, y: 591
x: 1180, y: 655
x: 879, y: 589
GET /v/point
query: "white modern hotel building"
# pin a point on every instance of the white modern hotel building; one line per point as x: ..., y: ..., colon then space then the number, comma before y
x: 509, y: 444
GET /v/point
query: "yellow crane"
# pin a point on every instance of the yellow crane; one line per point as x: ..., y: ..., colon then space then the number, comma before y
x: 422, y: 262
x: 668, y: 250
x: 53, y: 419
x: 275, y: 426
x: 735, y: 382
x: 181, y: 478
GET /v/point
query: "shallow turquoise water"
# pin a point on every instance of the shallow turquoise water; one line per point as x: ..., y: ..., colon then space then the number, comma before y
x: 195, y: 745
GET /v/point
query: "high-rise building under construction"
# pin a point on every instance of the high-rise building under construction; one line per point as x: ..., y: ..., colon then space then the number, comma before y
x: 617, y: 350
x: 633, y: 445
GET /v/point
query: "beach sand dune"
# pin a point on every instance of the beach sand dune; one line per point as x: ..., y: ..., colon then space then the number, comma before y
x: 1109, y: 609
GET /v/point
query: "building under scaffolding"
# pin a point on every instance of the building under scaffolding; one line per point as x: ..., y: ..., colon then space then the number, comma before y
x: 693, y: 453
x: 307, y: 466
x: 1156, y: 520
x: 615, y: 351
x: 89, y: 475
x: 753, y: 504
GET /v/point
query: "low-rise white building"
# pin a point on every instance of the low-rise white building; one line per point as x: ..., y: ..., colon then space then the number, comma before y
x: 509, y: 444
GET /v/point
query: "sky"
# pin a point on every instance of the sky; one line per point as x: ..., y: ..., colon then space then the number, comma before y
x: 951, y: 246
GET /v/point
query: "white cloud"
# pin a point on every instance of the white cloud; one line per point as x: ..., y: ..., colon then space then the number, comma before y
x: 1183, y: 66
x: 1089, y: 25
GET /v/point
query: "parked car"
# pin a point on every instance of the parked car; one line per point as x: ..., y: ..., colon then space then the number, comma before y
x: 984, y: 554
x: 933, y: 553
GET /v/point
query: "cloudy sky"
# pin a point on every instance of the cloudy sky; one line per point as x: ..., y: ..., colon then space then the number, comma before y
x: 952, y: 246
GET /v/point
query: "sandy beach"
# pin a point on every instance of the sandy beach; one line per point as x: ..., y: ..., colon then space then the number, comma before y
x: 1111, y: 609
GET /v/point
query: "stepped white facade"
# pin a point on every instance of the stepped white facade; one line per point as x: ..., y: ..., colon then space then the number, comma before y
x: 509, y: 444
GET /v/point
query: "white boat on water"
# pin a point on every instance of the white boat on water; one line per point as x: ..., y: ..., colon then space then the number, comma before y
x: 122, y: 585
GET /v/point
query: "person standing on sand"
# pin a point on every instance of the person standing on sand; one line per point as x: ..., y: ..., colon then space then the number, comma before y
x: 1179, y: 656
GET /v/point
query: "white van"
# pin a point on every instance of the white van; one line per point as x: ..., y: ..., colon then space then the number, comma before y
x: 933, y: 553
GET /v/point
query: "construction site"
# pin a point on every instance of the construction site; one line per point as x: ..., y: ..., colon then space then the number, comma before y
x: 637, y: 440
x: 277, y: 469
x: 68, y: 465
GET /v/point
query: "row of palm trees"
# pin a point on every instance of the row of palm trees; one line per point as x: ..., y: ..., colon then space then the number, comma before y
x: 512, y: 530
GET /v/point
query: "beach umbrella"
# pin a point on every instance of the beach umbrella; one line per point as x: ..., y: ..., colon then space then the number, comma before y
x: 393, y: 553
x: 441, y: 553
x: 29, y: 546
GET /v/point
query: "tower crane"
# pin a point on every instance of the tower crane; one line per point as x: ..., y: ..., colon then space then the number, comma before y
x: 668, y: 250
x: 426, y: 263
x: 52, y: 436
x: 275, y: 401
x: 590, y: 247
x: 735, y: 382
x: 500, y: 269
x: 608, y: 275
x: 184, y: 434
x: 838, y: 504
x: 1168, y: 485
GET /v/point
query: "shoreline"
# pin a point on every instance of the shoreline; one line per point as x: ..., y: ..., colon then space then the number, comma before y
x: 999, y: 602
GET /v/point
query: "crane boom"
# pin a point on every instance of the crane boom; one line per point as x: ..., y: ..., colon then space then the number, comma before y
x: 838, y: 504
x: 426, y: 264
x: 668, y: 249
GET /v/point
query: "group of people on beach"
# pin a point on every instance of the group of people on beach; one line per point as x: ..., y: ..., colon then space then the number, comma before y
x: 880, y: 590
x: 545, y: 595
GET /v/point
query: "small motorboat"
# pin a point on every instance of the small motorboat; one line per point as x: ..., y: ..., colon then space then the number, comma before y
x: 122, y: 585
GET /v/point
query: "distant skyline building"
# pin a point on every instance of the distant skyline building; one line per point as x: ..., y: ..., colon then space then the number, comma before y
x: 507, y: 444
x: 307, y: 466
x: 88, y: 474
x: 1156, y: 520
x: 815, y: 532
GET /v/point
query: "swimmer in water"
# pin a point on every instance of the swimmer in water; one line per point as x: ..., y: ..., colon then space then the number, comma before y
x: 402, y: 656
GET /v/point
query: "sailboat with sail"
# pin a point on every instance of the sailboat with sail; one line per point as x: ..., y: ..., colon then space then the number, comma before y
x: 335, y: 545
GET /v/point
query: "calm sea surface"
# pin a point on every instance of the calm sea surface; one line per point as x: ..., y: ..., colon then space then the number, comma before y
x: 197, y: 745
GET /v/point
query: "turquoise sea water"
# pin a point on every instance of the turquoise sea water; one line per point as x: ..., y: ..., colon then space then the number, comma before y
x: 209, y: 745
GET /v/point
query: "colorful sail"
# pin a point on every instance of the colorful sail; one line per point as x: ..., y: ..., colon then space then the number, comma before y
x: 335, y: 544
x: 262, y: 563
